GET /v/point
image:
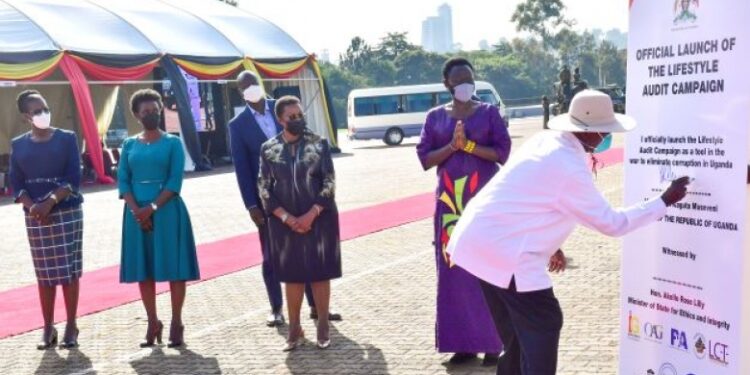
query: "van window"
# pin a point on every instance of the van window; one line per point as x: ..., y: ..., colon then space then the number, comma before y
x: 444, y: 97
x: 487, y: 96
x: 379, y: 105
x: 418, y: 102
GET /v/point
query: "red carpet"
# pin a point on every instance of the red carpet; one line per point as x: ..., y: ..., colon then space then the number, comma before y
x: 101, y: 290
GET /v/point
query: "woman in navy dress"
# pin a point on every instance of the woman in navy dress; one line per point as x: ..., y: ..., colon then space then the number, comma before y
x: 45, y: 173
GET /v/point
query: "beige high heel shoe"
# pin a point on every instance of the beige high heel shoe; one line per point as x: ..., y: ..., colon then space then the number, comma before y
x: 292, y: 344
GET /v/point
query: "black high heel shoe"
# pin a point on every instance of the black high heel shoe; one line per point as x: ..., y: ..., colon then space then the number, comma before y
x: 49, y: 340
x: 70, y: 342
x: 176, y: 336
x: 153, y: 334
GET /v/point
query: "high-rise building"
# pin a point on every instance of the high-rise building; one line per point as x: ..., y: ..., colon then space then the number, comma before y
x: 484, y: 45
x: 325, y: 56
x: 437, y: 31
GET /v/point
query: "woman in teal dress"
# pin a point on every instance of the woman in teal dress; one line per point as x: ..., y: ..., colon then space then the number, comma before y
x: 157, y: 237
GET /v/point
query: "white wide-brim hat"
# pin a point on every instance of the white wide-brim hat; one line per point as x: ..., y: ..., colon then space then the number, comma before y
x: 591, y: 111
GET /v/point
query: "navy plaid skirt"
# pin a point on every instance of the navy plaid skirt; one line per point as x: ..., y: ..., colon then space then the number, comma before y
x: 56, y: 248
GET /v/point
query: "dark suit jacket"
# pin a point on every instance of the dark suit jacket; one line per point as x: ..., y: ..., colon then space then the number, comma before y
x: 246, y: 138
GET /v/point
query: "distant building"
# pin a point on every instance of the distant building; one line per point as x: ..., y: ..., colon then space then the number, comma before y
x: 484, y: 45
x: 325, y: 56
x: 437, y: 31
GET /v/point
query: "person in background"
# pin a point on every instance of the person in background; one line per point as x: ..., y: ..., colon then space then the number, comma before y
x: 45, y: 174
x: 157, y: 236
x: 545, y: 109
x: 297, y: 187
x: 467, y: 141
x: 525, y: 213
x: 248, y: 131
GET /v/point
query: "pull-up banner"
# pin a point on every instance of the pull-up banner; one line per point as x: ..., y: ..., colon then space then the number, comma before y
x: 685, y: 293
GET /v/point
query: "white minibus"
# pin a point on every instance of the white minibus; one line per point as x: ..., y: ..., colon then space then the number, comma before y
x: 393, y: 113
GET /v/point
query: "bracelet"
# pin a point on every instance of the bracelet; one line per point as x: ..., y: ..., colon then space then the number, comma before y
x: 470, y: 147
x: 54, y: 198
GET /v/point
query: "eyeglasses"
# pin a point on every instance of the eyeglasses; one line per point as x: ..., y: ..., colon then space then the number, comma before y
x: 40, y: 111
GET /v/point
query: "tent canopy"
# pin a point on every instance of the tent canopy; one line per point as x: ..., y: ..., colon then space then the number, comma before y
x: 253, y: 36
x: 203, y: 32
x: 125, y: 40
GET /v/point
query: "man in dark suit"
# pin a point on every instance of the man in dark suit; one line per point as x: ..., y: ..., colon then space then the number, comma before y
x: 248, y: 131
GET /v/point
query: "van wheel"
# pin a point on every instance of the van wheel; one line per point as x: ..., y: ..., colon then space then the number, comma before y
x: 393, y: 137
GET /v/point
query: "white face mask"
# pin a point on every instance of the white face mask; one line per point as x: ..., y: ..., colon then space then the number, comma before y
x: 253, y: 94
x: 41, y: 121
x: 463, y: 92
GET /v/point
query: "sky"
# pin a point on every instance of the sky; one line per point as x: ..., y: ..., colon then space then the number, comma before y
x: 329, y: 24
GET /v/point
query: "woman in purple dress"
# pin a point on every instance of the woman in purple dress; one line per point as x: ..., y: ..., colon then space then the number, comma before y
x: 466, y: 140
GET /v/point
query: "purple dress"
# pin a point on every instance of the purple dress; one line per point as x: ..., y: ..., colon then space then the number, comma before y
x: 464, y: 323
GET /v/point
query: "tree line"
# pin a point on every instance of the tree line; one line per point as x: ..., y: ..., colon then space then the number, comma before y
x: 521, y: 69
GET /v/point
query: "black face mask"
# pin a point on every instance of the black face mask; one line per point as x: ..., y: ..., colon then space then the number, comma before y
x: 151, y: 121
x: 296, y: 127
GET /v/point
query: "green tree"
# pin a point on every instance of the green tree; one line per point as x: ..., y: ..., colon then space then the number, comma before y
x: 394, y: 44
x: 380, y: 72
x: 503, y: 48
x: 612, y: 64
x: 419, y: 67
x: 541, y: 18
x: 357, y: 56
x: 340, y: 82
x: 539, y: 64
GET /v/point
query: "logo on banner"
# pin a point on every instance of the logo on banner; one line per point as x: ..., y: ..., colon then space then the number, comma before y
x: 699, y: 347
x: 667, y: 369
x: 634, y: 326
x: 653, y: 332
x: 718, y: 352
x: 685, y: 11
x: 678, y: 340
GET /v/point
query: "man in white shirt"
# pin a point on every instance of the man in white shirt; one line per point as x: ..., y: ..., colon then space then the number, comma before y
x: 524, y: 214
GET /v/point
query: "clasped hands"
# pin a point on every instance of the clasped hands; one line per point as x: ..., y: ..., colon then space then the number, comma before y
x: 459, y: 137
x: 143, y: 217
x: 40, y: 211
x: 303, y: 224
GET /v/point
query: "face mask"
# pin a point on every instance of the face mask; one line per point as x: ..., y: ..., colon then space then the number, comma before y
x: 296, y: 127
x: 41, y: 121
x: 151, y: 121
x: 463, y: 92
x: 253, y: 94
x: 604, y: 145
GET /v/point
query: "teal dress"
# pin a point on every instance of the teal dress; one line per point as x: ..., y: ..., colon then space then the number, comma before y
x: 168, y: 252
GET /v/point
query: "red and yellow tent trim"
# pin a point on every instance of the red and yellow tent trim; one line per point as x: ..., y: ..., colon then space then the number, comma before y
x: 33, y: 71
x: 105, y: 73
x: 324, y: 99
x: 204, y: 71
x: 281, y: 70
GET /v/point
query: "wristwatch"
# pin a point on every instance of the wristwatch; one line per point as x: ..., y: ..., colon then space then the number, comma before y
x: 54, y: 198
x: 284, y: 217
x: 154, y: 206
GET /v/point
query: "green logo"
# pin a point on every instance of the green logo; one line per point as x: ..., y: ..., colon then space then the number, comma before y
x: 684, y: 11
